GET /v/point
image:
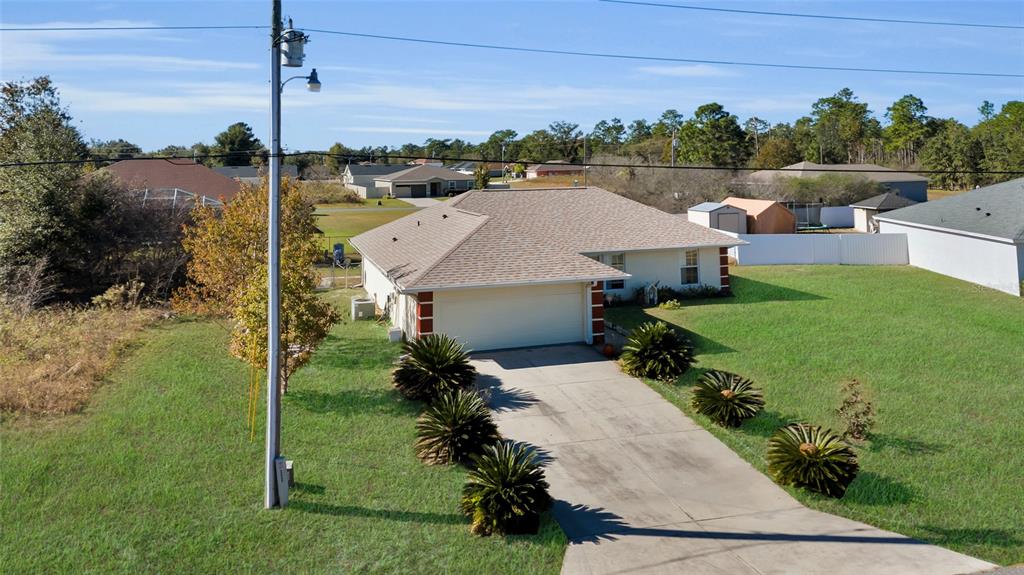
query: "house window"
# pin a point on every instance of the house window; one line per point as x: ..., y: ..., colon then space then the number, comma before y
x: 688, y: 273
x: 617, y: 261
x: 451, y: 184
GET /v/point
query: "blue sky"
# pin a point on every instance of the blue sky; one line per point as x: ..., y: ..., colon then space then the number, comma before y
x: 178, y: 87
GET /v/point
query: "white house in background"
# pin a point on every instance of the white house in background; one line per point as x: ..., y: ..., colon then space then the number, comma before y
x: 977, y: 236
x: 719, y: 216
x: 359, y: 177
x: 864, y: 211
x: 423, y: 181
x: 515, y: 268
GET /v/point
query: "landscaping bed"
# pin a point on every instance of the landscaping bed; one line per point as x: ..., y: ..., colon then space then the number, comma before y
x: 159, y: 473
x: 940, y: 359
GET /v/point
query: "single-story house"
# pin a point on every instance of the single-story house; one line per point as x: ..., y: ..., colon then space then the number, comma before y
x: 524, y: 267
x: 908, y: 185
x: 977, y: 236
x: 421, y: 182
x: 554, y: 168
x: 174, y: 181
x: 494, y: 169
x: 764, y: 216
x: 719, y: 216
x: 864, y: 211
x: 426, y: 162
x: 359, y: 177
x: 255, y: 174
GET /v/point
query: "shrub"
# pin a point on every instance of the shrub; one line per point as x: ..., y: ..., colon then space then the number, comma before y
x: 728, y: 399
x: 671, y: 304
x: 506, y: 492
x: 701, y: 291
x: 810, y: 457
x: 656, y: 351
x: 433, y: 365
x: 455, y: 427
x: 857, y: 412
x: 318, y: 192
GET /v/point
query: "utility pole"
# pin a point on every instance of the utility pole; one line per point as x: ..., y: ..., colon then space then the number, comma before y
x: 270, y: 498
x: 585, y: 162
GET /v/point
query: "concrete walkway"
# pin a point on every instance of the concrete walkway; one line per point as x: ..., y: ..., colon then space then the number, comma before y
x: 641, y: 488
x: 421, y: 202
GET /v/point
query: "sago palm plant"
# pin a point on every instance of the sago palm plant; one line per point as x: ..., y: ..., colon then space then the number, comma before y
x: 656, y: 351
x: 433, y: 365
x: 455, y: 427
x: 728, y: 399
x: 506, y: 492
x: 811, y: 457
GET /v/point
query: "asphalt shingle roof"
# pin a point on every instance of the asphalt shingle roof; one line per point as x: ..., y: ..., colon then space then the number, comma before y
x: 375, y: 169
x: 422, y: 174
x: 812, y: 170
x: 886, y: 201
x: 996, y: 210
x: 503, y: 237
x: 183, y: 174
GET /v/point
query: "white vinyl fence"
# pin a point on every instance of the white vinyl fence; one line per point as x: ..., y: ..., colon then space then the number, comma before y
x: 850, y: 249
x: 837, y: 216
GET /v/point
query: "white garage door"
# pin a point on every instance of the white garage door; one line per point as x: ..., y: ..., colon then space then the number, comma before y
x: 496, y: 318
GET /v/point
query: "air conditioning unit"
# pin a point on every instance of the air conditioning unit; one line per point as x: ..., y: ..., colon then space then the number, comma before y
x: 363, y: 308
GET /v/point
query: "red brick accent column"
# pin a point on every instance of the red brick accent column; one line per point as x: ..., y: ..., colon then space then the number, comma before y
x: 723, y: 264
x: 597, y: 313
x: 424, y: 313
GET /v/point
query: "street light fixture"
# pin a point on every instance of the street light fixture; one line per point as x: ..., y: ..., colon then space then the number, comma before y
x: 287, y: 48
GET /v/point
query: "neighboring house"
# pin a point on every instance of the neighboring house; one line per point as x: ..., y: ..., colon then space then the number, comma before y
x: 255, y: 174
x: 359, y: 177
x: 764, y: 216
x: 911, y: 186
x: 864, y: 211
x: 426, y: 162
x: 494, y: 169
x: 174, y: 181
x: 977, y: 236
x: 515, y: 268
x: 420, y: 182
x: 719, y: 216
x: 553, y: 168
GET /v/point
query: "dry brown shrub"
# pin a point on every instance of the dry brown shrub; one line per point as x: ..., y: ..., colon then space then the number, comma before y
x: 320, y: 192
x: 52, y: 359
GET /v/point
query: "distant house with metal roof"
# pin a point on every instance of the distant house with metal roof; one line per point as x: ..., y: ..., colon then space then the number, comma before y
x: 977, y: 236
x: 719, y: 216
x: 908, y: 185
x: 359, y: 177
x: 864, y: 211
x: 423, y: 181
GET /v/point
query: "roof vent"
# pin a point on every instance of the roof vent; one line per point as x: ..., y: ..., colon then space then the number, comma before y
x: 444, y: 216
x: 417, y: 223
x: 977, y: 209
x: 394, y: 239
x: 987, y: 214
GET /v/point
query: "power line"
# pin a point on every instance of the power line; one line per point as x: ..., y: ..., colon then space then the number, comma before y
x: 364, y: 157
x: 818, y: 16
x: 118, y: 28
x: 657, y: 58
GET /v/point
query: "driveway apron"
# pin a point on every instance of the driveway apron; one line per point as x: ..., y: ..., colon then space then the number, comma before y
x: 641, y: 488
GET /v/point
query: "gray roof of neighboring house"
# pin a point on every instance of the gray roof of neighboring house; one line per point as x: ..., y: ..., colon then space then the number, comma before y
x: 375, y: 169
x: 996, y: 211
x: 556, y: 166
x: 422, y: 174
x: 522, y: 236
x: 290, y: 170
x: 886, y: 201
x: 811, y: 170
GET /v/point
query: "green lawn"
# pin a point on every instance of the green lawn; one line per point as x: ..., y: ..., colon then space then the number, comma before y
x: 340, y: 226
x: 942, y: 359
x: 370, y: 204
x: 159, y: 475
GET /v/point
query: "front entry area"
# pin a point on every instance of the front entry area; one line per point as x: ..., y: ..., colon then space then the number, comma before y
x: 497, y: 318
x: 435, y: 189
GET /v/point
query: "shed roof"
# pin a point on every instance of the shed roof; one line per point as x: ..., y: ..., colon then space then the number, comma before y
x: 509, y: 237
x: 886, y: 201
x: 995, y: 211
x: 751, y: 206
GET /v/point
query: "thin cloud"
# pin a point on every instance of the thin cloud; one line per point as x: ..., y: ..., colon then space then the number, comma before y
x: 687, y: 71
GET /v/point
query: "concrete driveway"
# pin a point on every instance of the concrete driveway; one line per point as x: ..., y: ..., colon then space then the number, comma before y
x: 421, y: 202
x: 641, y: 488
